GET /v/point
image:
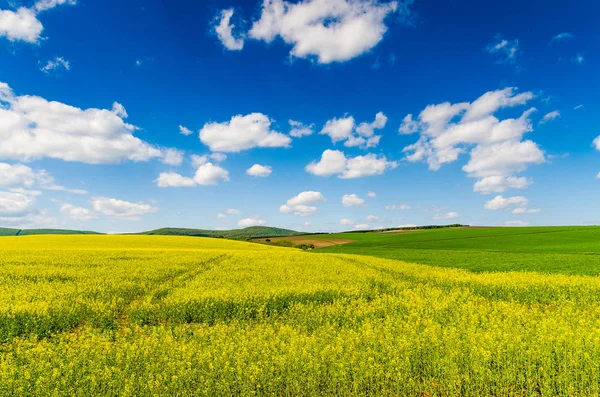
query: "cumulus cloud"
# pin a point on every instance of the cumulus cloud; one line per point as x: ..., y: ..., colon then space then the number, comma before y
x: 242, y: 133
x: 233, y: 211
x: 362, y: 135
x: 207, y: 174
x: 17, y: 202
x: 22, y: 176
x: 550, y: 116
x: 260, y: 171
x: 346, y: 222
x: 496, y: 147
x: 77, y: 213
x: 304, y: 204
x: 361, y: 226
x: 224, y: 30
x: 249, y: 222
x: 500, y: 184
x: 173, y: 179
x: 23, y: 24
x: 122, y: 210
x: 373, y: 218
x: 401, y: 207
x: 328, y: 31
x: 185, y: 131
x: 372, y: 195
x: 210, y: 174
x: 516, y: 223
x: 352, y: 200
x: 56, y: 65
x: 32, y: 128
x: 505, y: 51
x: 502, y: 203
x: 449, y: 215
x: 197, y: 161
x: 298, y: 130
x: 334, y: 162
x: 172, y: 157
x: 527, y: 211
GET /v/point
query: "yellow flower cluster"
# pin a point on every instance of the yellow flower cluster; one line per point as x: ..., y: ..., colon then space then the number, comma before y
x: 149, y: 315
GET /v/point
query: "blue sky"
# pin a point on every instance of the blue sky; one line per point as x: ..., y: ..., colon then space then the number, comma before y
x: 502, y: 97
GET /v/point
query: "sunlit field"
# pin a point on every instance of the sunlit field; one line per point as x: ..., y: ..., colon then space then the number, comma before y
x: 150, y: 315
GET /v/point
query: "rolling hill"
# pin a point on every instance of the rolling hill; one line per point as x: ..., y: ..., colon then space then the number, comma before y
x: 237, y: 234
x: 31, y: 232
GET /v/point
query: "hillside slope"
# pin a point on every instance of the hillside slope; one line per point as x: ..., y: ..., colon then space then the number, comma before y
x: 249, y: 232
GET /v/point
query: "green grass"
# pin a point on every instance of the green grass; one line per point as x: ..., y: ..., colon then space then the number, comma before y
x: 238, y: 234
x: 566, y: 250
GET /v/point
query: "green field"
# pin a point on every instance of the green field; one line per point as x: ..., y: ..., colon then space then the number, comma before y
x: 235, y: 234
x: 567, y: 250
x: 170, y: 315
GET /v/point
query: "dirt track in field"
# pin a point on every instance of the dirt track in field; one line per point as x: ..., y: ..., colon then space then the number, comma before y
x: 317, y: 242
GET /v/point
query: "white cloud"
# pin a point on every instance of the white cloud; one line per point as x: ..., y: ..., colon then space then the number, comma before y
x: 346, y: 222
x: 173, y: 179
x: 122, y: 210
x: 449, y: 215
x: 330, y: 31
x: 565, y: 36
x: 303, y: 204
x: 224, y: 31
x: 249, y: 222
x: 578, y: 59
x: 17, y: 202
x: 33, y: 128
x: 21, y: 176
x: 496, y: 147
x: 261, y: 171
x: 362, y: 135
x: 500, y: 184
x: 372, y: 195
x: 401, y: 207
x: 198, y: 161
x: 502, y: 203
x: 577, y: 107
x: 242, y: 133
x: 23, y: 24
x: 516, y: 223
x: 55, y: 65
x: 210, y: 174
x: 221, y: 216
x: 361, y: 226
x: 77, y: 213
x: 173, y: 157
x: 506, y: 51
x: 550, y: 116
x: 352, y: 200
x: 335, y: 162
x: 233, y: 211
x: 526, y: 211
x: 299, y: 130
x: 372, y: 218
x: 307, y: 224
x: 185, y: 131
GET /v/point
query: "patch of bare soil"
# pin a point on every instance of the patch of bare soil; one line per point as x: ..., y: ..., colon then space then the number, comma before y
x: 317, y: 242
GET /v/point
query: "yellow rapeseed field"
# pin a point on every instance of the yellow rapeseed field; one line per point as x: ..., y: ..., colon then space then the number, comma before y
x: 149, y: 315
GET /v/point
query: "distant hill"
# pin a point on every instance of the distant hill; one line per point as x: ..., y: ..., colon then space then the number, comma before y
x: 249, y: 232
x: 31, y: 232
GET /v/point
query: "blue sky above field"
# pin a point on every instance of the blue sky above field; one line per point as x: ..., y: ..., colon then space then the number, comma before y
x: 318, y: 115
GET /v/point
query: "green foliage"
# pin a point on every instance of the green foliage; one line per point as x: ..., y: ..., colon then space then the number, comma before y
x: 567, y: 250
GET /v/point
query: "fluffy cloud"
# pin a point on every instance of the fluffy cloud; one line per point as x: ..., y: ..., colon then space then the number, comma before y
x: 185, y: 131
x: 346, y: 222
x: 352, y: 200
x: 550, y: 116
x: 197, y: 161
x: 23, y: 24
x: 173, y: 179
x: 362, y: 135
x: 122, y: 210
x: 299, y: 130
x: 210, y: 174
x: 224, y: 32
x: 303, y: 204
x: 173, y: 157
x: 373, y: 218
x: 372, y: 195
x: 401, y: 207
x: 506, y: 51
x: 56, y: 65
x: 17, y: 202
x: 21, y: 176
x: 496, y: 147
x: 249, y: 222
x: 500, y: 184
x: 233, y: 211
x: 516, y: 223
x: 242, y: 133
x: 33, y: 128
x: 334, y: 162
x: 449, y: 215
x: 361, y: 226
x: 77, y: 213
x: 527, y: 211
x: 330, y: 31
x: 260, y: 171
x: 502, y: 203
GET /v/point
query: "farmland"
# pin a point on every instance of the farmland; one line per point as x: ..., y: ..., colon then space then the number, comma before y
x: 150, y: 315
